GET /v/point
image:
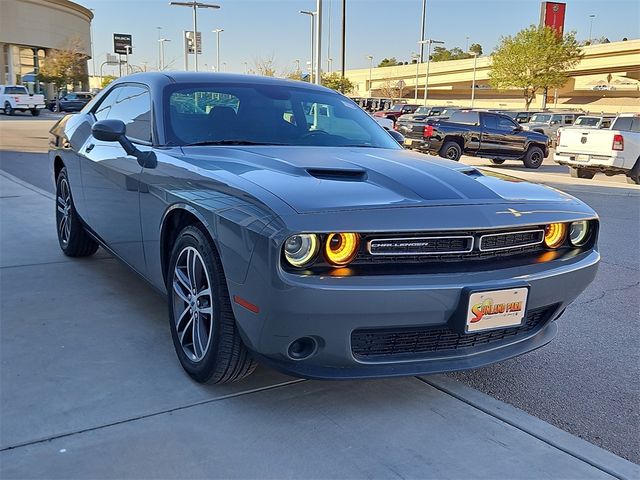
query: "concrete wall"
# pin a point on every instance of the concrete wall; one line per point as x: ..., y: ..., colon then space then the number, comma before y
x: 615, y: 65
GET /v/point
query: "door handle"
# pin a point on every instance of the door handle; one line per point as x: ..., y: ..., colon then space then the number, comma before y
x: 89, y: 147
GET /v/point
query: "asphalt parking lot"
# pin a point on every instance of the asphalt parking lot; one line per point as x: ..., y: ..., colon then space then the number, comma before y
x: 101, y: 369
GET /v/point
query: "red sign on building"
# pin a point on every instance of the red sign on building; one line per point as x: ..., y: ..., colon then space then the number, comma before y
x: 552, y: 16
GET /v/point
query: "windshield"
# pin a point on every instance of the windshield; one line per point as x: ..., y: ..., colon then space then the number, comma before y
x: 267, y: 115
x: 541, y: 118
x: 422, y: 110
x: 587, y: 121
x: 396, y: 108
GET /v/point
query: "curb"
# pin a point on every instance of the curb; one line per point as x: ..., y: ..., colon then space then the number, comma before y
x: 581, y: 449
x: 28, y: 186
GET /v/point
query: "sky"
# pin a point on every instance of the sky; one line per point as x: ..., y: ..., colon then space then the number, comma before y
x: 260, y: 29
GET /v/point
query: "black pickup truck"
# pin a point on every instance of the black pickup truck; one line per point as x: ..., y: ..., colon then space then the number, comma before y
x: 480, y: 134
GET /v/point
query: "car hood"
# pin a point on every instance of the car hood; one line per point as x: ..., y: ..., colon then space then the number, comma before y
x: 315, y: 179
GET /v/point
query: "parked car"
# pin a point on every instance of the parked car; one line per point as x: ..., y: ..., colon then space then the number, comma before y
x: 407, y: 123
x: 71, y: 102
x: 613, y: 151
x: 520, y: 116
x: 325, y: 250
x: 593, y: 121
x: 549, y: 122
x: 480, y: 134
x: 16, y: 98
x: 396, y: 111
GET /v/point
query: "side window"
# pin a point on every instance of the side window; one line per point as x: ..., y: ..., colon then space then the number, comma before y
x: 506, y: 124
x: 490, y: 121
x: 568, y: 120
x: 105, y: 105
x: 133, y: 107
x: 469, y: 118
x: 556, y: 119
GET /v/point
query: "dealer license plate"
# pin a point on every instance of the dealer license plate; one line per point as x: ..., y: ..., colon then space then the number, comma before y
x: 496, y: 309
x: 31, y: 106
x: 408, y: 142
x: 582, y: 158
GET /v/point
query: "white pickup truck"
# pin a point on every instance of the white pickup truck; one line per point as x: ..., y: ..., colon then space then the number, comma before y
x: 612, y: 151
x: 16, y: 98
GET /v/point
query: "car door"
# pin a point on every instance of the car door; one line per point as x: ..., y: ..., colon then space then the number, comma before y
x: 490, y: 141
x: 512, y: 139
x: 111, y: 178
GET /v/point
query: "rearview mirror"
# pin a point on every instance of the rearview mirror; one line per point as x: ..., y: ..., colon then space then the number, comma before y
x: 109, y: 130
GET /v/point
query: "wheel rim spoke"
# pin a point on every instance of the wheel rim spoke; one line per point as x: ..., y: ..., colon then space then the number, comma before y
x: 192, y: 304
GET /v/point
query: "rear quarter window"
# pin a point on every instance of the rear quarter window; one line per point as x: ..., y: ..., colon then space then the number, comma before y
x: 627, y: 124
x: 15, y: 91
x: 467, y: 118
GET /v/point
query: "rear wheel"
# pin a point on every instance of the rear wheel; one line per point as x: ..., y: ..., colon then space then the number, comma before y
x: 534, y: 157
x: 496, y: 161
x: 8, y: 109
x: 582, y: 173
x: 203, y: 327
x: 451, y: 150
x: 634, y: 175
x: 35, y: 112
x: 72, y: 236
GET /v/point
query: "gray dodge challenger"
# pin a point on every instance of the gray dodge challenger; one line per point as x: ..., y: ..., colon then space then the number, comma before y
x: 286, y: 227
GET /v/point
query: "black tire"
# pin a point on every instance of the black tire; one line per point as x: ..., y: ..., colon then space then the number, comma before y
x: 225, y: 358
x: 534, y: 157
x: 35, y: 112
x: 497, y: 161
x: 634, y: 174
x: 8, y: 109
x: 72, y: 236
x: 581, y: 173
x: 451, y: 150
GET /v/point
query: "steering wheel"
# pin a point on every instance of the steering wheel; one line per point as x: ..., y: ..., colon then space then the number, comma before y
x: 314, y: 133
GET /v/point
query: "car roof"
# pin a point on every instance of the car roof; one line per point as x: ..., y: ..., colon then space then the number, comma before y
x: 159, y: 79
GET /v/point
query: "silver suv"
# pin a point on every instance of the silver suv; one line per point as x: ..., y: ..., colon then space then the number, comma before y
x: 549, y: 122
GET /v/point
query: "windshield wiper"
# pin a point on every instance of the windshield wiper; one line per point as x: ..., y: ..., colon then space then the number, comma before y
x: 229, y: 142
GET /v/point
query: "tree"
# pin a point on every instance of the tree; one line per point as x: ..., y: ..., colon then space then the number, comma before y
x: 106, y: 80
x: 65, y: 67
x: 337, y: 82
x: 297, y: 75
x: 389, y: 62
x: 265, y: 66
x: 476, y: 47
x: 534, y: 59
x: 389, y: 90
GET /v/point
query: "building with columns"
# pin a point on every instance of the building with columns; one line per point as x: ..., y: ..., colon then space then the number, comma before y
x: 29, y: 29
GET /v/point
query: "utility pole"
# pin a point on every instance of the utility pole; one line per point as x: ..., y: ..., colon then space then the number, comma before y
x: 473, y: 82
x: 319, y: 42
x: 416, y: 57
x: 313, y: 35
x: 429, y: 42
x: 161, y: 42
x: 370, y: 57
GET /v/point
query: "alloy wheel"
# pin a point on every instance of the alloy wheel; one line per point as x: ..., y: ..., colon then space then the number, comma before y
x: 192, y: 304
x: 64, y: 211
x: 452, y: 153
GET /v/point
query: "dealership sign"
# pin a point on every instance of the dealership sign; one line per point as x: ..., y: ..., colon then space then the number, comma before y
x: 188, y: 37
x: 121, y: 43
x: 552, y: 16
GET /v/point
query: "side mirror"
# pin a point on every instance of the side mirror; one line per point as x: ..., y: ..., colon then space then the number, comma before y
x: 109, y: 130
x: 397, y: 136
x: 116, y: 131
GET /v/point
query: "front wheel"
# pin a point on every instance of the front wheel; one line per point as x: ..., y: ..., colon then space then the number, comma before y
x: 203, y: 327
x: 8, y: 109
x: 451, y: 150
x: 582, y: 173
x: 72, y: 236
x: 35, y: 112
x: 534, y: 157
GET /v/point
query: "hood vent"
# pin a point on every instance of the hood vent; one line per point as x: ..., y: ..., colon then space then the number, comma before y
x: 344, y: 175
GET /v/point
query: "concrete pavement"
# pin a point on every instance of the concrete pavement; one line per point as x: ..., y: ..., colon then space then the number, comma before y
x: 90, y: 387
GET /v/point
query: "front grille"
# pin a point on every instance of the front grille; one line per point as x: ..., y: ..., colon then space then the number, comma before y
x: 421, y: 245
x: 381, y: 343
x: 503, y: 241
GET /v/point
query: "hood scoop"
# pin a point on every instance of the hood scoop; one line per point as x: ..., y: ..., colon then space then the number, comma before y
x: 338, y: 174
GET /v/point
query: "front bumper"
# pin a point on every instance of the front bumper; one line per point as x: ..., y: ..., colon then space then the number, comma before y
x: 329, y: 309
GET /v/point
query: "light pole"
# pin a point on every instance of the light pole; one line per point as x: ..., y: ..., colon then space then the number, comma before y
x: 217, y: 32
x: 195, y: 6
x: 313, y: 36
x: 319, y: 42
x: 422, y: 27
x: 297, y: 62
x: 416, y: 57
x: 161, y: 43
x: 246, y: 68
x: 128, y: 50
x: 473, y: 82
x: 370, y: 57
x: 93, y: 57
x: 429, y: 42
x: 591, y: 17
